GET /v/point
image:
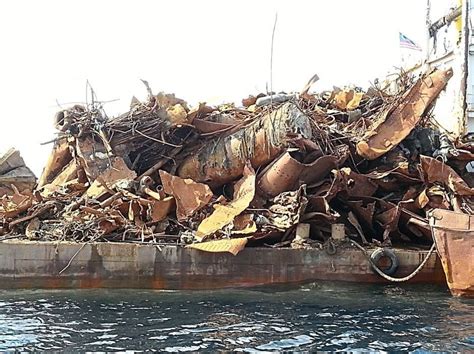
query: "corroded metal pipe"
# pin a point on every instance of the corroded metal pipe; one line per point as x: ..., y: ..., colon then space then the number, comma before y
x: 223, y: 159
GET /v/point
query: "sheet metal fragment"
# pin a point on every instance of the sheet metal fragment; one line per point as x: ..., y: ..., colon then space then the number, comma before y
x: 57, y: 160
x: 13, y: 205
x: 402, y: 117
x: 230, y: 245
x: 116, y: 173
x: 224, y: 214
x: 437, y: 171
x: 13, y: 172
x: 355, y: 184
x: 190, y: 196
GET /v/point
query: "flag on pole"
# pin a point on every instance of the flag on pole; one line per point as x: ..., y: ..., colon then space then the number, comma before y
x: 406, y: 42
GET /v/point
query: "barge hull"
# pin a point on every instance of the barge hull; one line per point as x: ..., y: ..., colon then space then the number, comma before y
x: 125, y: 265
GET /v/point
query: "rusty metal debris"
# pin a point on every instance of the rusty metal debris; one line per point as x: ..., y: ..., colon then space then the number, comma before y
x: 400, y: 118
x: 233, y: 245
x: 190, y: 196
x: 453, y: 234
x: 261, y: 140
x: 275, y: 172
x: 14, y: 173
x: 224, y: 214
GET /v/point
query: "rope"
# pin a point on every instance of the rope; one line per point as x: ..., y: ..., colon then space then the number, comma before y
x: 388, y: 277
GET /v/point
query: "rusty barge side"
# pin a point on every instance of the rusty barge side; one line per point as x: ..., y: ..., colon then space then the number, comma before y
x: 118, y: 265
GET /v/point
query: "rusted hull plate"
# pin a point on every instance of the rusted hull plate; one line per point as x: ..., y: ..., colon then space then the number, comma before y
x: 112, y: 265
x: 454, y: 236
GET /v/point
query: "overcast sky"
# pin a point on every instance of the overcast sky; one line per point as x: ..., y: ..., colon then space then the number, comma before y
x: 210, y: 51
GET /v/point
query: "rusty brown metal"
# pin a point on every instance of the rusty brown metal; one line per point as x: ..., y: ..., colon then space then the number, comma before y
x: 231, y: 245
x: 249, y: 101
x: 224, y: 214
x: 29, y: 264
x: 162, y: 174
x: 222, y: 160
x: 280, y: 176
x: 13, y: 205
x: 57, y: 160
x: 320, y: 168
x: 161, y: 208
x: 392, y: 179
x: 454, y: 236
x: 115, y: 172
x: 13, y: 172
x: 190, y: 196
x: 365, y: 215
x: 403, y: 116
x: 437, y: 171
x: 92, y: 156
x: 355, y: 184
x: 208, y: 127
x: 285, y: 172
x: 68, y: 173
x: 22, y: 178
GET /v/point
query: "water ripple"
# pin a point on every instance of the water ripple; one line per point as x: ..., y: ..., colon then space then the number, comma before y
x: 311, y: 317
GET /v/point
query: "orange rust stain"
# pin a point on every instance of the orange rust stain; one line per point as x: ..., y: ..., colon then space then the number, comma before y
x: 158, y: 283
x: 54, y: 283
x: 91, y: 283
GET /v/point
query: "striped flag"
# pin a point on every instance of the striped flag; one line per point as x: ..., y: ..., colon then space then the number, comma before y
x: 406, y: 42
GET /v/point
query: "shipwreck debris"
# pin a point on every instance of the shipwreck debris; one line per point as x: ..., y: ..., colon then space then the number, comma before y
x: 299, y: 170
x: 223, y: 159
x: 402, y: 116
x: 14, y: 173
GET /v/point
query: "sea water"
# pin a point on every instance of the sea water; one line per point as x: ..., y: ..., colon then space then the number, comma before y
x: 320, y: 316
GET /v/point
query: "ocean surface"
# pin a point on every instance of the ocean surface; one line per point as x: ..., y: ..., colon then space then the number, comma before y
x: 322, y: 316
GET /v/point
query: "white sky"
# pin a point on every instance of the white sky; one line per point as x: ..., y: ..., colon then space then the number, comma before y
x: 200, y: 50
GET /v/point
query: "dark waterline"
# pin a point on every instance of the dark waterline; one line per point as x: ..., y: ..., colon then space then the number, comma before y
x: 316, y: 316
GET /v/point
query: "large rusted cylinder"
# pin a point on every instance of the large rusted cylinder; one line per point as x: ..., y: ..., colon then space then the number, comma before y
x: 280, y: 176
x: 286, y: 173
x: 223, y: 159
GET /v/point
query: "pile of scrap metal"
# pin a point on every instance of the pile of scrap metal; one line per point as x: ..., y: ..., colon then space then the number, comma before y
x: 14, y: 175
x: 16, y: 185
x: 278, y: 171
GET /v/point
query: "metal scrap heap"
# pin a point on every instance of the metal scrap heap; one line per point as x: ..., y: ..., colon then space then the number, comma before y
x: 279, y: 171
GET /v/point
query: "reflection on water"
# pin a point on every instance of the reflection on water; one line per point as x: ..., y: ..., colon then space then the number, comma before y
x: 310, y: 317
